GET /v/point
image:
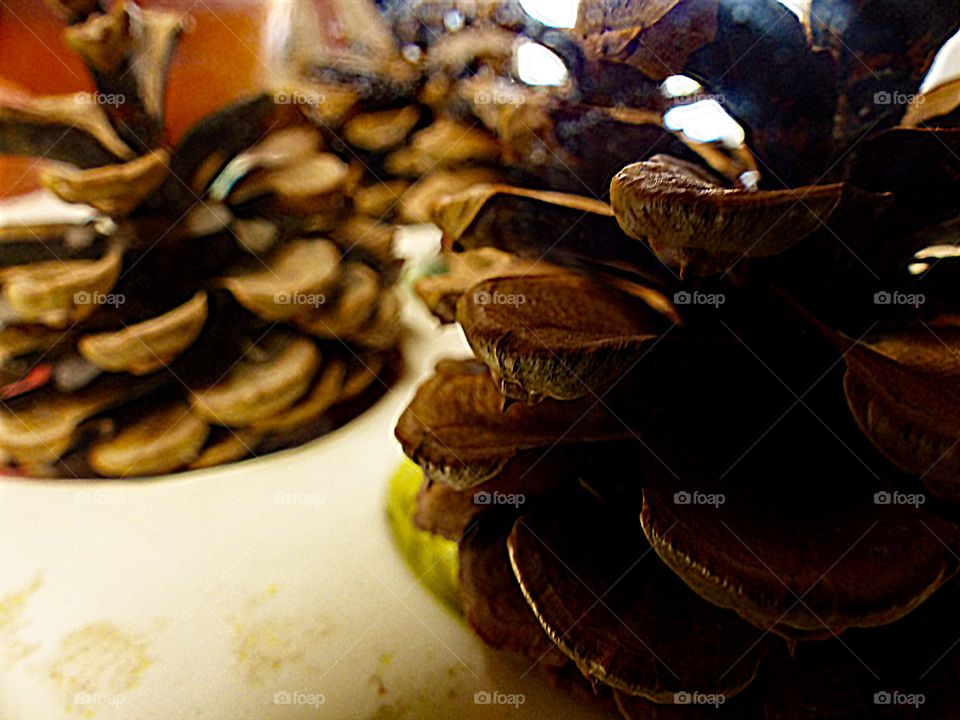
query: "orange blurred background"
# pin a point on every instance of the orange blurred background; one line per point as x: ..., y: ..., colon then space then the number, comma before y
x: 217, y: 61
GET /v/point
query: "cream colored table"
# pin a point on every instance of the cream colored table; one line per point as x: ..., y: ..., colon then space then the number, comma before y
x: 268, y: 589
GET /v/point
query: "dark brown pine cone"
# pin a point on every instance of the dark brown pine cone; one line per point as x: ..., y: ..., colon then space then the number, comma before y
x: 708, y: 453
x: 255, y: 255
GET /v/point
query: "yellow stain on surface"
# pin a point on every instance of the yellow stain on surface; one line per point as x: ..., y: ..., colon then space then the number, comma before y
x: 266, y: 641
x: 96, y: 665
x: 399, y: 700
x: 12, y: 607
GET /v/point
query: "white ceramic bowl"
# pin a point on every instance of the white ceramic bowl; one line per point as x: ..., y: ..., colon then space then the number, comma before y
x: 267, y: 589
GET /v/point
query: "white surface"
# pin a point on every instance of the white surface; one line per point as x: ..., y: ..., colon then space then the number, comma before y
x: 224, y: 587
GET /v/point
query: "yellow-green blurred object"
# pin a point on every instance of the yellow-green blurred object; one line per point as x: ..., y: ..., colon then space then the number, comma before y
x: 433, y: 560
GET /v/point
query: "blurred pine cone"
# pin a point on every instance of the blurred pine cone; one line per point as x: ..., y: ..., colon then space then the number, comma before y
x: 226, y: 297
x: 707, y: 451
x: 182, y: 310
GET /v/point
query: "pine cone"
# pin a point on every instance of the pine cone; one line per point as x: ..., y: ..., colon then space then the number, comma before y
x: 226, y: 299
x: 273, y: 214
x: 707, y: 452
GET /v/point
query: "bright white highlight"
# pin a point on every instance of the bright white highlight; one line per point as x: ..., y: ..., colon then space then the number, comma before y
x: 705, y: 121
x: 538, y: 65
x: 938, y: 252
x: 946, y: 66
x: 680, y: 86
x: 453, y: 21
x: 554, y: 13
x: 800, y: 8
x: 750, y: 180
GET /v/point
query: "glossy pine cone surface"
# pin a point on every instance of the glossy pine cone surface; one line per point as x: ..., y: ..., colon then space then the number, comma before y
x: 704, y: 461
x: 232, y: 294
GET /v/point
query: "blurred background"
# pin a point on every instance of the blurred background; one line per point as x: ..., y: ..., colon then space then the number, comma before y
x: 217, y: 61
